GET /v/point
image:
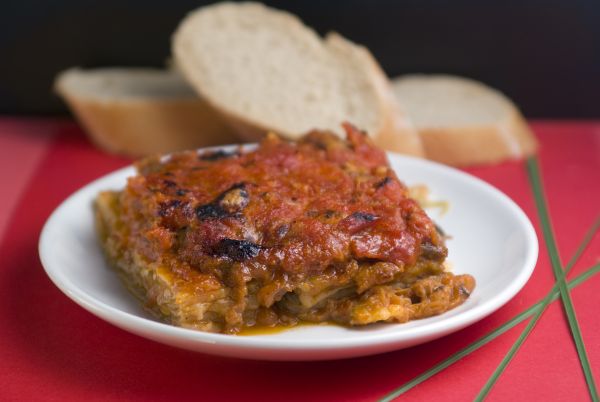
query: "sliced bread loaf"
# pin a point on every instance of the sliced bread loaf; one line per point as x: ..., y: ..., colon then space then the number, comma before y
x: 462, y: 121
x: 265, y: 70
x: 140, y: 111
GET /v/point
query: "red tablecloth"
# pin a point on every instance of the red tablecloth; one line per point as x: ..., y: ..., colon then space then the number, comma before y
x: 51, y: 349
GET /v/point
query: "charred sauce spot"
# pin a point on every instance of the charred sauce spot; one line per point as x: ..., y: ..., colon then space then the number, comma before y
x: 166, y: 208
x: 216, y: 155
x: 169, y: 183
x: 208, y: 211
x: 181, y: 191
x: 382, y: 183
x: 229, y: 203
x: 237, y: 250
x: 357, y: 221
x: 432, y: 252
x: 363, y: 217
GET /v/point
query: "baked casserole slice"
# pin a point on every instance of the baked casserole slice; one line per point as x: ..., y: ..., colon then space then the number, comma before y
x: 318, y: 230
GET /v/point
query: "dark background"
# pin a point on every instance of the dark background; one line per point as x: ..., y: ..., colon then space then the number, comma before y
x: 543, y: 54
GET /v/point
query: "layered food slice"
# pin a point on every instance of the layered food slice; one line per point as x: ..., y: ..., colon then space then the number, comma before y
x: 317, y: 230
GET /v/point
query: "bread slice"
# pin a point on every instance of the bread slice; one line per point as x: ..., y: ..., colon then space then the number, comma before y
x: 265, y: 70
x: 141, y: 111
x: 462, y: 121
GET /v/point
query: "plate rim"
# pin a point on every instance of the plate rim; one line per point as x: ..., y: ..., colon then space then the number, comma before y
x: 135, y: 323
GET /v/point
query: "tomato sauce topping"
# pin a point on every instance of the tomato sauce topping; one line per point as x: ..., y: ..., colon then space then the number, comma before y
x: 295, y: 208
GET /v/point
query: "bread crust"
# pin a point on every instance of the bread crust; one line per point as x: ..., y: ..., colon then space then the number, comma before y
x: 137, y: 127
x: 395, y: 133
x: 463, y: 146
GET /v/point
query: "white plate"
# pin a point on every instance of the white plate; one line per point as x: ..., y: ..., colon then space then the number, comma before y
x: 492, y: 240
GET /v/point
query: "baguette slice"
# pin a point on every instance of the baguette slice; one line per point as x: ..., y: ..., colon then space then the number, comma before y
x: 266, y: 71
x: 140, y: 111
x: 464, y: 122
